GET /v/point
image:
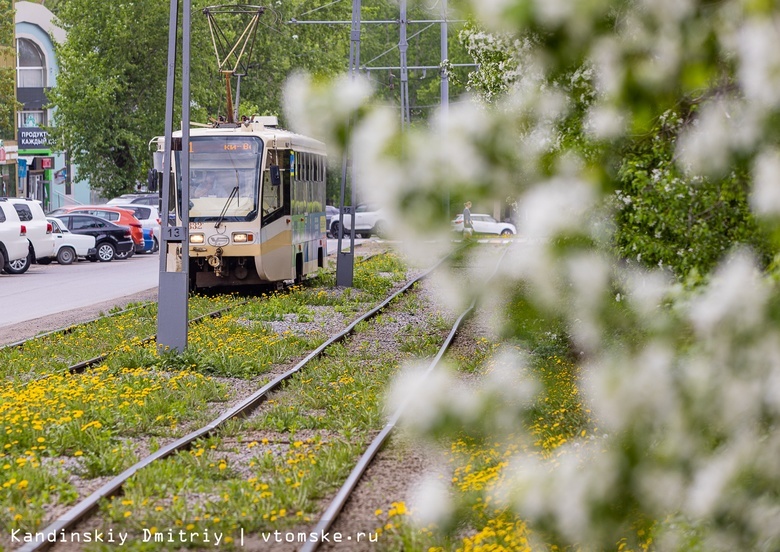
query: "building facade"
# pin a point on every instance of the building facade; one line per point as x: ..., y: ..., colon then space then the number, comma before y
x: 42, y: 173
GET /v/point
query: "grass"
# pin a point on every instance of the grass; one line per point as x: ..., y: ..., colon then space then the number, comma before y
x: 85, y: 424
x: 273, y: 470
x: 478, y: 466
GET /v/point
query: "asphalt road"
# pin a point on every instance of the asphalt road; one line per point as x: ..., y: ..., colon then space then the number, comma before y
x: 48, y: 289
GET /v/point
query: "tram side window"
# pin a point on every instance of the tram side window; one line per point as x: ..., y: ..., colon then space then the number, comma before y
x: 276, y: 199
x: 272, y: 195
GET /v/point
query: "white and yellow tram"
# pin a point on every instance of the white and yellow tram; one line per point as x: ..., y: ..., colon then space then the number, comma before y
x: 257, y: 203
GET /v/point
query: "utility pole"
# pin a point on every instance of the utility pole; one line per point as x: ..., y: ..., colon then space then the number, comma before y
x: 345, y: 260
x: 403, y: 46
x: 445, y: 87
x: 172, y: 315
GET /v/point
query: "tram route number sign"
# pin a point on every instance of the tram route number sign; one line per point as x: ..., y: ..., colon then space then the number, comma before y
x: 174, y: 233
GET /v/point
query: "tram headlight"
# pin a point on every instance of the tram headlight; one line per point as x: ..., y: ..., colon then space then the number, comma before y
x: 243, y: 237
x: 197, y: 238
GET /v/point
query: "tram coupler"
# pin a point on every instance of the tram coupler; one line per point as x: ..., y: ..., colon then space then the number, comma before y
x: 217, y: 264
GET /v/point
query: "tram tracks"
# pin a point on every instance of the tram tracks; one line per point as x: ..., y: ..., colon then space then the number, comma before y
x: 83, y: 509
x: 331, y: 514
x: 245, y: 405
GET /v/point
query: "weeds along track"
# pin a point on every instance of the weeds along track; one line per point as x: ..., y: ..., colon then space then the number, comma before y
x: 85, y: 430
x: 80, y: 346
x: 87, y: 344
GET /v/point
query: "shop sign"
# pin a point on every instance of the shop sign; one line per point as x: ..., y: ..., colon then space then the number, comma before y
x: 33, y: 138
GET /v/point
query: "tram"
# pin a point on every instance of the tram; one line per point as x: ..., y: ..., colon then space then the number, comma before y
x: 256, y: 202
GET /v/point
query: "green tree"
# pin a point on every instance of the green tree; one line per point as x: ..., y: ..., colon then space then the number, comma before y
x: 8, y: 104
x: 110, y: 93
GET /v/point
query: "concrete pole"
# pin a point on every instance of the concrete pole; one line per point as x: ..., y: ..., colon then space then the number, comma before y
x: 172, y: 305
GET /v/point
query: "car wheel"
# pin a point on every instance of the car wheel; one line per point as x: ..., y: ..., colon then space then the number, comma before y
x: 506, y: 232
x: 18, y: 266
x: 44, y: 261
x: 66, y: 256
x: 123, y: 254
x: 2, y: 258
x: 105, y: 252
x: 334, y: 229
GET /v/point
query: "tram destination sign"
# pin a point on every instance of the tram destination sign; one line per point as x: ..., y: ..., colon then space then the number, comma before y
x: 33, y: 138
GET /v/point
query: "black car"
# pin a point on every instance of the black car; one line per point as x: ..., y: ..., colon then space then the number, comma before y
x: 110, y: 238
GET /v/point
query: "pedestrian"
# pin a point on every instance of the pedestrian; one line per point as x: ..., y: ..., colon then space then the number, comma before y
x: 468, y: 227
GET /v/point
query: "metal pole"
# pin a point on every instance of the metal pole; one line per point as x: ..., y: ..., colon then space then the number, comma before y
x: 445, y: 87
x: 238, y: 95
x: 445, y: 79
x: 345, y: 260
x: 174, y: 281
x: 403, y: 45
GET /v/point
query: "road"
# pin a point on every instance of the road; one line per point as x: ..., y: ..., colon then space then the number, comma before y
x: 48, y: 289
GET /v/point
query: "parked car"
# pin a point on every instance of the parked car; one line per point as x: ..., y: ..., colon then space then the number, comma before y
x: 150, y: 241
x: 41, y: 241
x: 485, y: 224
x: 122, y: 217
x: 149, y: 216
x: 13, y: 235
x: 110, y: 238
x: 331, y: 214
x: 369, y: 219
x: 136, y: 199
x: 70, y: 246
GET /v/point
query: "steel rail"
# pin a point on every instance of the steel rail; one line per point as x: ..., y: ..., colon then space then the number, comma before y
x: 83, y: 509
x: 337, y: 504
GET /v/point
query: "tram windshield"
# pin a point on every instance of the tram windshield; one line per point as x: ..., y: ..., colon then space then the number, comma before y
x: 224, y: 178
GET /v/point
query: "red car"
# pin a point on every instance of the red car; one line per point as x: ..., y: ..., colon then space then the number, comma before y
x: 122, y: 217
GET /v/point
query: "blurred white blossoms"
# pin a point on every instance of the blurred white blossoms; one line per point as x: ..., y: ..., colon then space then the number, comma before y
x: 686, y: 384
x: 765, y: 198
x: 324, y: 110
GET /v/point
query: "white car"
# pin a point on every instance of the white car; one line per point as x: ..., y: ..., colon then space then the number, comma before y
x: 149, y: 216
x: 38, y: 235
x: 136, y: 199
x: 485, y: 224
x: 70, y: 246
x: 13, y: 235
x: 369, y: 219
